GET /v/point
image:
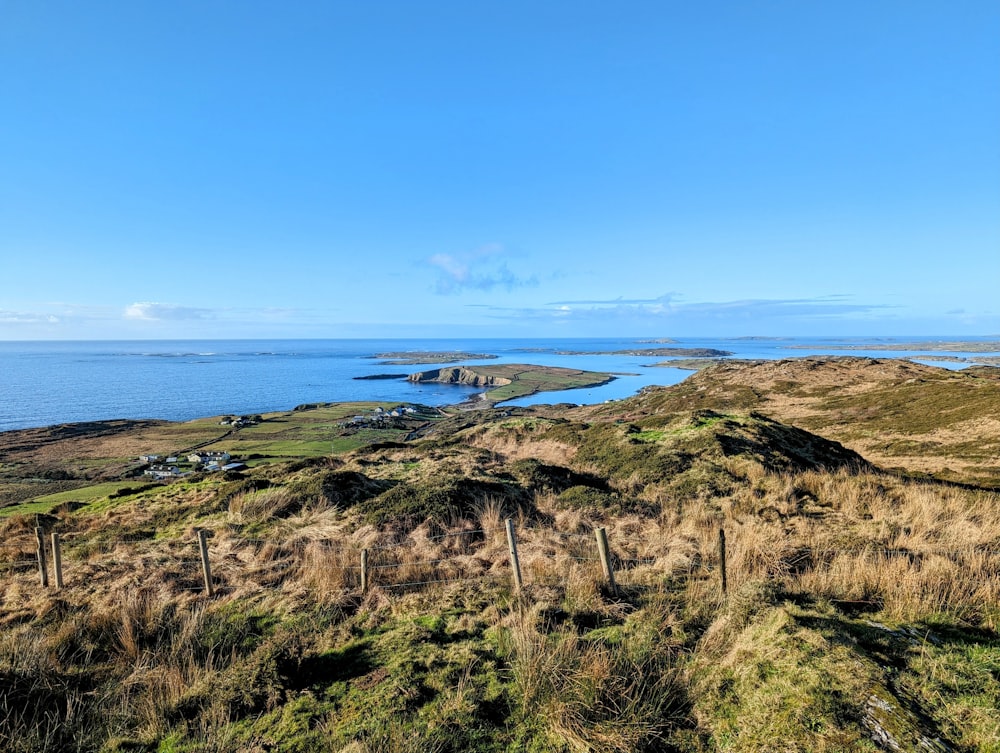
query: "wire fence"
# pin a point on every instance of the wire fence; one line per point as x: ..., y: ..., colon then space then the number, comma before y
x: 226, y: 559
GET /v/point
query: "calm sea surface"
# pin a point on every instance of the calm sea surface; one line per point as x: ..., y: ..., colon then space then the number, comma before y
x: 44, y: 383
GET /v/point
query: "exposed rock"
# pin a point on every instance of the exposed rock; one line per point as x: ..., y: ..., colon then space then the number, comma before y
x: 459, y: 375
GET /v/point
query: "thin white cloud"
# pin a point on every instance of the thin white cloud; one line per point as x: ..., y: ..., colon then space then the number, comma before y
x: 663, y: 299
x: 21, y: 317
x: 483, y: 269
x: 164, y: 312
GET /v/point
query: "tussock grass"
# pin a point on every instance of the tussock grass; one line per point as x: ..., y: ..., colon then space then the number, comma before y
x: 592, y: 695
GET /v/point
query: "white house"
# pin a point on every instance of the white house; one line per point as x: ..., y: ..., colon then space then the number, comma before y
x: 208, y: 457
x: 163, y: 471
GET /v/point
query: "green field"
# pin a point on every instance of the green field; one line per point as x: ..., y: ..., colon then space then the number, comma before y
x: 305, y: 432
x: 310, y: 432
x: 46, y: 503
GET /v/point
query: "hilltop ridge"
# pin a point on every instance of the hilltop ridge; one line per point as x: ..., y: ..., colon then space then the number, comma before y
x: 922, y: 420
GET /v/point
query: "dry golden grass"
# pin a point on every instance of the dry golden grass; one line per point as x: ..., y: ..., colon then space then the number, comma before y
x: 509, y: 443
x: 912, y: 548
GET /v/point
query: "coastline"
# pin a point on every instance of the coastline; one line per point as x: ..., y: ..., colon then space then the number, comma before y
x: 50, y: 383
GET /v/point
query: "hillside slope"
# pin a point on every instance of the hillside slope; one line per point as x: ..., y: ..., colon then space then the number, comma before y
x: 861, y: 607
x: 920, y: 419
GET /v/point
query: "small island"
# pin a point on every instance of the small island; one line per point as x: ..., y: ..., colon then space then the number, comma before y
x: 514, y: 380
x: 417, y: 357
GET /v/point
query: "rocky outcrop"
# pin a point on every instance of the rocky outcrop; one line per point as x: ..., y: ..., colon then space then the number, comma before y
x: 459, y: 375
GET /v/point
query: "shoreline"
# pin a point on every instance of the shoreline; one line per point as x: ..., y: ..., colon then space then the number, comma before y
x: 47, y: 384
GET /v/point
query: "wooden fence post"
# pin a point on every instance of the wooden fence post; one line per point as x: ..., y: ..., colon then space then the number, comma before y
x: 605, y: 552
x: 722, y: 560
x: 515, y: 564
x: 43, y: 571
x: 57, y: 560
x: 206, y: 568
x: 364, y: 571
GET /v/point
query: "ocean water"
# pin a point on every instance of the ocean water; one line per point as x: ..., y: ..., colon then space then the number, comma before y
x: 44, y: 383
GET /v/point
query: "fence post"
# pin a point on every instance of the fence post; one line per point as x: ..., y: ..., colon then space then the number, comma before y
x: 722, y: 560
x: 206, y: 568
x: 515, y: 564
x: 605, y: 552
x: 43, y: 572
x: 364, y: 571
x: 57, y: 560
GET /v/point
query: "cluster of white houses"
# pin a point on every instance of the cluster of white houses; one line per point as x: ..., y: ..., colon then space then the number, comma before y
x: 209, y: 458
x: 162, y: 471
x: 207, y: 461
x: 381, y: 416
x: 156, y: 459
x: 240, y: 421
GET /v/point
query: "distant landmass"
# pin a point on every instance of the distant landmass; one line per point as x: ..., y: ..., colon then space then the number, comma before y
x: 697, y: 364
x: 407, y: 358
x: 959, y: 346
x: 652, y: 352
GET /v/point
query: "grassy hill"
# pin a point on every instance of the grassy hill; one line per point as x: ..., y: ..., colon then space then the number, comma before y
x: 861, y: 610
x: 917, y: 419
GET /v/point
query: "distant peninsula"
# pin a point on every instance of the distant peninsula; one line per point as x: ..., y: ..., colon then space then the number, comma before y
x: 510, y: 381
x: 982, y: 360
x: 946, y: 346
x: 697, y: 364
x: 683, y: 352
x: 416, y: 357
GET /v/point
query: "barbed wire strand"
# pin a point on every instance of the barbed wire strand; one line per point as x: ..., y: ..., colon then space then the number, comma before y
x: 391, y: 565
x: 425, y: 582
x: 459, y: 533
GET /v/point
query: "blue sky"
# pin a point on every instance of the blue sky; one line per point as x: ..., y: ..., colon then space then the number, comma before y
x: 358, y: 169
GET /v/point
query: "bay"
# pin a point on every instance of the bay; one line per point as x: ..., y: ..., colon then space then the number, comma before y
x: 44, y: 383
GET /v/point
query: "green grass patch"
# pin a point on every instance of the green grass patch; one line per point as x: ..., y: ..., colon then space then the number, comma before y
x: 652, y: 435
x: 780, y: 681
x: 818, y: 680
x: 950, y: 670
x: 288, y: 448
x: 46, y: 503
